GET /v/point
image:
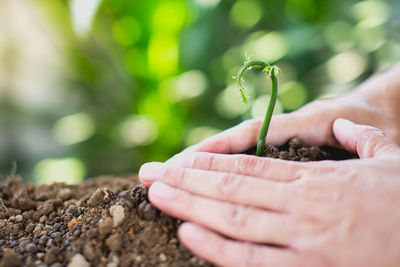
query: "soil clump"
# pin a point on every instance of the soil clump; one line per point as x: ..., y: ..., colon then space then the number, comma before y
x: 297, y: 150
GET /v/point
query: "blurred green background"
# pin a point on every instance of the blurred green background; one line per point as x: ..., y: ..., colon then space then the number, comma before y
x: 91, y: 87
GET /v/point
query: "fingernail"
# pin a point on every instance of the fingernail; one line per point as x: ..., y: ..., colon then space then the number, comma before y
x: 343, y: 122
x: 151, y: 172
x: 193, y: 233
x: 162, y: 191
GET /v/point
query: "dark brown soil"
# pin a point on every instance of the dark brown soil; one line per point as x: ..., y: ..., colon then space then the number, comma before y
x: 101, y: 222
x: 297, y: 150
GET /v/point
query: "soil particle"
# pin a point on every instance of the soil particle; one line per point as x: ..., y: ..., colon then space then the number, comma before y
x: 148, y: 211
x: 100, y: 197
x: 65, y: 193
x: 114, y: 242
x: 10, y: 258
x: 18, y: 218
x: 32, y: 248
x: 51, y: 256
x: 105, y: 227
x: 78, y: 261
x: 46, y: 208
x: 117, y: 212
x: 88, y: 252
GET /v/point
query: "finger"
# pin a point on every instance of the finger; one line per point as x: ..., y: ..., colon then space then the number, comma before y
x: 366, y: 141
x: 224, y: 252
x: 236, y: 221
x: 268, y: 168
x: 225, y: 186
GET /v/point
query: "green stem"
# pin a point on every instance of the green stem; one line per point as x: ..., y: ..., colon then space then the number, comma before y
x: 271, y: 71
x: 268, y: 116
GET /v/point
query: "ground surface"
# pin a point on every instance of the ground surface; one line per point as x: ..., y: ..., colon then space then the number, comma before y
x: 102, y: 222
x: 106, y: 221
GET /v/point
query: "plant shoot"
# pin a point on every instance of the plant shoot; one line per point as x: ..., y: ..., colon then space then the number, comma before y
x: 271, y: 72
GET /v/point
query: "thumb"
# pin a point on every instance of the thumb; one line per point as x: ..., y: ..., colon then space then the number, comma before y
x: 363, y: 140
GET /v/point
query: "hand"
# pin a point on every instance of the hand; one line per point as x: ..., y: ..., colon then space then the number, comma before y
x: 375, y: 103
x: 281, y: 213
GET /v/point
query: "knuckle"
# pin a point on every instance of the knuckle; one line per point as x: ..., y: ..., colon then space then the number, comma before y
x: 229, y: 185
x: 175, y: 175
x: 251, y: 254
x: 248, y: 164
x: 221, y: 248
x: 203, y: 160
x: 236, y: 217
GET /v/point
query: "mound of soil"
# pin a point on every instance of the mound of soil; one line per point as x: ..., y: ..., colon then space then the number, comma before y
x: 106, y: 221
x: 297, y: 150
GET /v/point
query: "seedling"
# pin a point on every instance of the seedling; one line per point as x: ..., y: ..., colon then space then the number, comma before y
x: 272, y: 72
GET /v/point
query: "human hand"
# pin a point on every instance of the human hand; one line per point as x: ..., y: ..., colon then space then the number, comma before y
x: 282, y: 213
x: 376, y: 102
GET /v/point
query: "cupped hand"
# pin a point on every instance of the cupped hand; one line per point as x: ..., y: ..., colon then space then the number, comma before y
x: 248, y: 211
x: 376, y: 102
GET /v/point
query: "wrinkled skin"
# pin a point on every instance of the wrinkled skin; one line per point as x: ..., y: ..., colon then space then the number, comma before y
x: 248, y: 211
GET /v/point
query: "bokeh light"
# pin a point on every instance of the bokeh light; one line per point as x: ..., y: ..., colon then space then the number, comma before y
x: 185, y: 86
x: 269, y: 47
x: 371, y: 13
x: 292, y: 95
x: 246, y: 13
x: 64, y: 170
x: 198, y: 134
x: 229, y: 103
x: 137, y: 131
x: 259, y: 107
x: 74, y: 128
x: 346, y: 66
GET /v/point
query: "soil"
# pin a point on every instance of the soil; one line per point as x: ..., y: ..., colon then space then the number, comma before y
x: 297, y: 150
x: 107, y: 221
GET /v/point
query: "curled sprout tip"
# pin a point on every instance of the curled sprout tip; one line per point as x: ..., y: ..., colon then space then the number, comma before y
x: 248, y: 58
x: 272, y: 70
x: 242, y: 90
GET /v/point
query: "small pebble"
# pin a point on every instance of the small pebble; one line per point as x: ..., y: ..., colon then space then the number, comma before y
x: 10, y: 258
x: 18, y: 218
x: 43, y: 219
x: 105, y: 226
x: 78, y: 261
x: 56, y: 226
x: 118, y: 214
x: 162, y: 257
x: 31, y: 248
x: 65, y: 193
x: 138, y: 258
x: 43, y: 240
x: 150, y: 213
x: 114, y: 242
x: 88, y: 251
